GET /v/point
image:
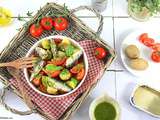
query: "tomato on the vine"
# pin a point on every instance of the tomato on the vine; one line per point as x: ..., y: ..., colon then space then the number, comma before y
x: 60, y: 23
x: 36, y: 30
x: 47, y: 23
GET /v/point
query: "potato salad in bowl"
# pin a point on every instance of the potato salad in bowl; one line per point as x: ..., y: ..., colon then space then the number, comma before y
x: 61, y: 66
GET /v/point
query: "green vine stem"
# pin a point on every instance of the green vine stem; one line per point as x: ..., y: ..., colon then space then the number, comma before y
x: 51, y: 14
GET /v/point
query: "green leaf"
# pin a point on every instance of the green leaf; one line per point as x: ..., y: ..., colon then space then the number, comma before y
x: 46, y: 81
x: 72, y: 83
x: 69, y: 50
x: 51, y: 67
x: 29, y: 14
x: 20, y: 18
x: 18, y: 29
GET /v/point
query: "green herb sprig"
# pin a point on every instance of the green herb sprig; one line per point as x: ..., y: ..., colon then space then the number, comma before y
x: 152, y: 5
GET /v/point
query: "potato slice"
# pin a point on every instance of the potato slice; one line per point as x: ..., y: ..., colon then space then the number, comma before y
x: 52, y: 90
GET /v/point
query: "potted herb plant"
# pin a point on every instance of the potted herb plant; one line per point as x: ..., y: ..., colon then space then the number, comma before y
x: 142, y: 10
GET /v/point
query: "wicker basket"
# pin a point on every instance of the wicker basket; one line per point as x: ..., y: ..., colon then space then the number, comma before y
x: 23, y: 41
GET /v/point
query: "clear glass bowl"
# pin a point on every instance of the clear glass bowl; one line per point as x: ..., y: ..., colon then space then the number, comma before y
x: 142, y: 15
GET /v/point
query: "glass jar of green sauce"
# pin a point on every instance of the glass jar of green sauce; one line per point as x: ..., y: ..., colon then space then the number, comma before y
x: 104, y: 108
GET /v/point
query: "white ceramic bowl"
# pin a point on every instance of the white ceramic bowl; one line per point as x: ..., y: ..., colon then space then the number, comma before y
x: 51, y: 38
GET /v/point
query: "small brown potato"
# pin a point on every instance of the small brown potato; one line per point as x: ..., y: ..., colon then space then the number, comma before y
x: 132, y: 52
x: 139, y: 64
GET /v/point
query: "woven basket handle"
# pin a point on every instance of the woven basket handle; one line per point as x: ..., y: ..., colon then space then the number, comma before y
x: 96, y: 13
x: 2, y: 98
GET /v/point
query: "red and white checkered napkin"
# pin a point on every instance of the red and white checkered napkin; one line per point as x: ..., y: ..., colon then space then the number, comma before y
x: 55, y: 107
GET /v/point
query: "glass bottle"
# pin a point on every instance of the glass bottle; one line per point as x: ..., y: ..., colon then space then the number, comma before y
x: 99, y: 5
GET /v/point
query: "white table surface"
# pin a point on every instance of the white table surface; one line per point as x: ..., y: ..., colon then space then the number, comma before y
x: 117, y: 25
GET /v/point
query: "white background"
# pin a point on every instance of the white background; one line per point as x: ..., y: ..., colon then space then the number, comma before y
x: 117, y: 25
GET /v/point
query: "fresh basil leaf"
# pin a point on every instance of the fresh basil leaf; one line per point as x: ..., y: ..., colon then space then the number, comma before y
x: 69, y: 50
x: 51, y: 67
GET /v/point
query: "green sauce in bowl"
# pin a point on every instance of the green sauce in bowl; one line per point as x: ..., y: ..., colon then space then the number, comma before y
x: 105, y: 111
x: 104, y: 108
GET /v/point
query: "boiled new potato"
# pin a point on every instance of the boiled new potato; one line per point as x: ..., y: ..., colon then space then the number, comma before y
x: 132, y: 52
x: 52, y: 90
x: 46, y: 44
x: 138, y: 64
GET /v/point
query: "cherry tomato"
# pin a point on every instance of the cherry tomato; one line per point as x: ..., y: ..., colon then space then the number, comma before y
x: 42, y: 72
x: 76, y: 69
x: 42, y: 88
x: 47, y: 23
x: 149, y: 42
x: 57, y: 61
x: 155, y: 56
x: 100, y: 53
x: 55, y: 74
x: 143, y: 36
x: 156, y: 47
x: 57, y: 40
x: 36, y: 30
x: 80, y: 75
x: 60, y: 23
x: 76, y: 62
x: 36, y: 81
x: 52, y: 74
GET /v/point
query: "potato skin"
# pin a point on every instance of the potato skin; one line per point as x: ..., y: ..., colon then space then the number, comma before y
x: 139, y: 64
x: 132, y: 52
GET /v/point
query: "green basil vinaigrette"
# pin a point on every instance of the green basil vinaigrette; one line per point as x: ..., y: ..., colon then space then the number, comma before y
x: 105, y: 111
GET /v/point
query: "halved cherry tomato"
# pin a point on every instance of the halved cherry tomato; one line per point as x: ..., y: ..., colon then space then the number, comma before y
x: 36, y: 81
x: 155, y: 56
x: 57, y: 40
x: 55, y: 74
x: 57, y: 61
x: 42, y: 88
x: 156, y: 47
x: 47, y: 23
x: 149, y: 42
x: 100, y: 53
x: 52, y: 74
x: 76, y: 62
x: 80, y: 75
x: 143, y: 36
x: 76, y: 69
x: 60, y: 23
x: 42, y: 72
x: 36, y: 30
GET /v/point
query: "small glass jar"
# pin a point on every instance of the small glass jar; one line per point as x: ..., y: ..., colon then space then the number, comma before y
x: 99, y: 5
x: 141, y: 15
